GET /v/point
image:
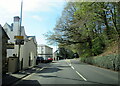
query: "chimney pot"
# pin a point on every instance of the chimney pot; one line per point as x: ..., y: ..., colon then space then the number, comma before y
x: 16, y: 19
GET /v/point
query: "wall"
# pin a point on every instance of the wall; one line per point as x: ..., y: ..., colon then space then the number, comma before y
x: 48, y: 50
x: 0, y: 56
x: 29, y: 50
x: 10, y: 34
x: 45, y: 49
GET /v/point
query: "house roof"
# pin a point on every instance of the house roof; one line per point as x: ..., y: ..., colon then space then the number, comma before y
x: 44, y: 45
x: 32, y: 37
x: 10, y: 27
x: 4, y: 32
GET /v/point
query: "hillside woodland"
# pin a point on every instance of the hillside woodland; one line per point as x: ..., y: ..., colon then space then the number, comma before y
x: 91, y: 29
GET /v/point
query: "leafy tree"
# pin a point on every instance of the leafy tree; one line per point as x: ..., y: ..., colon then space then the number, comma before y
x: 87, y: 27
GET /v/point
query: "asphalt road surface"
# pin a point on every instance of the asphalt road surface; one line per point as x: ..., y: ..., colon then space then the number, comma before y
x: 70, y: 72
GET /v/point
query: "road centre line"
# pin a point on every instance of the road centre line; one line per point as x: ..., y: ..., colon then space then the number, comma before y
x: 77, y: 71
x: 81, y: 76
x: 69, y: 63
x: 72, y: 67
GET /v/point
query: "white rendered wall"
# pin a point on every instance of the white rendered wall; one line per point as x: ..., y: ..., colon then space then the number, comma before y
x: 47, y: 51
x: 29, y: 49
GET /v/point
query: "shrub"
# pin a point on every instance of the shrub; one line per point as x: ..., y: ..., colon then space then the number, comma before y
x: 109, y: 61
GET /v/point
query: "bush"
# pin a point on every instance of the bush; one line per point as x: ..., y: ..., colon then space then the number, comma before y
x: 109, y: 61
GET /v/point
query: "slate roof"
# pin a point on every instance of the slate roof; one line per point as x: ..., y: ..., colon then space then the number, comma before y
x: 4, y: 32
x: 11, y: 28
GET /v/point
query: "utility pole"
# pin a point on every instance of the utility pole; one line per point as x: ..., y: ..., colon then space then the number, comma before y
x: 21, y: 17
x: 19, y: 46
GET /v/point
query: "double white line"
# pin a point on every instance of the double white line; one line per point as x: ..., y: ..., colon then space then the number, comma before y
x: 77, y: 71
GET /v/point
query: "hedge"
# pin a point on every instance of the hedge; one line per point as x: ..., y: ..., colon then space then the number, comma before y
x: 110, y: 61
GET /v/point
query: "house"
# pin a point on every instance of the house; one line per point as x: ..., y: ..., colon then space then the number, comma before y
x: 28, y: 51
x: 55, y: 55
x: 3, y: 49
x: 45, y: 51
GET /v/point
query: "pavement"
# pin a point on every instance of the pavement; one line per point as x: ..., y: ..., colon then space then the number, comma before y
x: 10, y: 78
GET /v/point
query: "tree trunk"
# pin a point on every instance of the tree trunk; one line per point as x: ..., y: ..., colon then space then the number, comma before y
x: 107, y: 26
x: 89, y: 40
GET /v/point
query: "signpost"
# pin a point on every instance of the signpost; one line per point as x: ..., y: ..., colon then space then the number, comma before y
x: 10, y: 46
x: 19, y: 40
x: 18, y: 37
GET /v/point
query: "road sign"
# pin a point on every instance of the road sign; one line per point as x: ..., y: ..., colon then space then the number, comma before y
x: 19, y: 37
x: 19, y: 42
x: 10, y: 46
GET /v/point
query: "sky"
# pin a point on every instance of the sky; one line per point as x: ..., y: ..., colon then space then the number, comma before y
x: 38, y: 16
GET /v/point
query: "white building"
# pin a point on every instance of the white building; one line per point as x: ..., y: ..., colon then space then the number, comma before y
x: 45, y: 51
x: 28, y: 51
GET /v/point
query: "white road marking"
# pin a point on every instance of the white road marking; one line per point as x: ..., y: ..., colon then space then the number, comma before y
x: 27, y: 77
x: 72, y: 67
x: 76, y: 71
x: 68, y: 61
x: 81, y: 76
x: 42, y: 68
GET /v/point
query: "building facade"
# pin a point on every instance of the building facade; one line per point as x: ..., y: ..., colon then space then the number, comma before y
x: 28, y: 51
x: 45, y: 51
x: 3, y: 51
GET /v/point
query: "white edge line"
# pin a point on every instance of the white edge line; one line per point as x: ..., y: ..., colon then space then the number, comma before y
x: 81, y: 76
x: 27, y: 76
x: 33, y: 73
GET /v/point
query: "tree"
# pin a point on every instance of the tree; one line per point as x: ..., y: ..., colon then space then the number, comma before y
x: 87, y: 27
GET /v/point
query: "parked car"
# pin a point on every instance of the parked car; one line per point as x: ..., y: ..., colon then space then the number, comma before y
x: 50, y: 59
x: 39, y: 60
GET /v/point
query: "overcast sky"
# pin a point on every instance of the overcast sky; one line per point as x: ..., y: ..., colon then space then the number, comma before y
x: 39, y: 16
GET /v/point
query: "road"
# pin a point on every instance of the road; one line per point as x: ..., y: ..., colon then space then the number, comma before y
x: 70, y: 72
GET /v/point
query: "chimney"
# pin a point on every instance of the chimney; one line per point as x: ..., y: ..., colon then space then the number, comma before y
x: 16, y: 19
